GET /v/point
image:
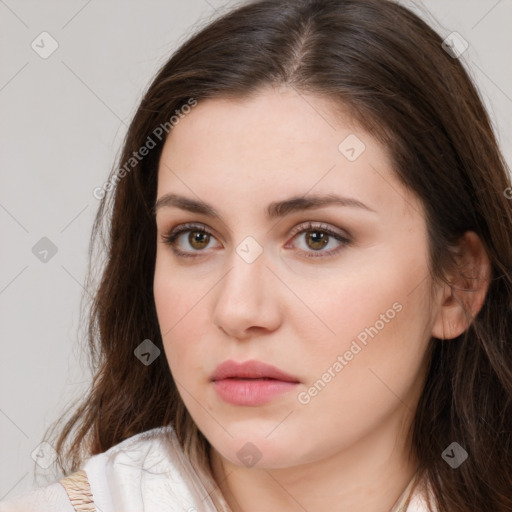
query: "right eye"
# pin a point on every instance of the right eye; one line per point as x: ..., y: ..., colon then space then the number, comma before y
x: 198, y: 239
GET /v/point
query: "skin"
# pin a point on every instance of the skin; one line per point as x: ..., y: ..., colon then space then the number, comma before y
x: 348, y: 447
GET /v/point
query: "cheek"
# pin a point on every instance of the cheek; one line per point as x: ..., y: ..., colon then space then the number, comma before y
x: 174, y: 293
x: 381, y: 358
x: 179, y: 309
x: 377, y: 378
x: 379, y: 323
x: 354, y: 300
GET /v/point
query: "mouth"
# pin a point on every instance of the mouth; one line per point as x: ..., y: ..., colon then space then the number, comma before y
x: 252, y: 383
x: 251, y: 370
x: 252, y: 378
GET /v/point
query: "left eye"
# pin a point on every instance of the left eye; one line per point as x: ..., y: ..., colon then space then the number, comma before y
x: 317, y: 237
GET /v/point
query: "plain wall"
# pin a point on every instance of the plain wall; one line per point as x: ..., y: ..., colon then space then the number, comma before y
x: 62, y: 122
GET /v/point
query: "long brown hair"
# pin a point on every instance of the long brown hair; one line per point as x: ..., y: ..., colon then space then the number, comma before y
x: 389, y: 68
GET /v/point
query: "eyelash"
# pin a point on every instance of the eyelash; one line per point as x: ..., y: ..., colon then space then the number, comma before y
x: 170, y: 239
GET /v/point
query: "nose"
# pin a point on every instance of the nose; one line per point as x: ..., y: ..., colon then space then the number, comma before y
x: 248, y: 300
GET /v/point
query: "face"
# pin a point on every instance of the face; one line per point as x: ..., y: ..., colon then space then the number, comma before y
x: 335, y: 295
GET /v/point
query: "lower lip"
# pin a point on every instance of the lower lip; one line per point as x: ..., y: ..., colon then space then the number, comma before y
x: 251, y: 392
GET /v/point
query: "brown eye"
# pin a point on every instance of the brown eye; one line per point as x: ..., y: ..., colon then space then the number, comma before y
x: 197, y: 240
x: 200, y: 238
x: 318, y: 236
x: 318, y: 240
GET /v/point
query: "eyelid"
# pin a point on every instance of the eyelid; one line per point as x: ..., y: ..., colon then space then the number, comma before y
x: 171, y: 237
x: 320, y: 226
x: 345, y: 239
x: 332, y: 232
x: 190, y: 226
x: 300, y: 227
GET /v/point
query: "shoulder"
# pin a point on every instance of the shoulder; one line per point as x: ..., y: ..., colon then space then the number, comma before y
x: 51, y: 498
x: 147, y: 471
x: 157, y: 448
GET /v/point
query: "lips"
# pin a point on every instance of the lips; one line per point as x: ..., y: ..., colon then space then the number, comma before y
x: 250, y: 370
x: 252, y: 383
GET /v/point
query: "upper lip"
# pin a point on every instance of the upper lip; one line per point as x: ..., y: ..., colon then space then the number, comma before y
x: 250, y: 370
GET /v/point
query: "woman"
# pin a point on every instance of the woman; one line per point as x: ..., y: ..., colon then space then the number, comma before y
x: 307, y: 298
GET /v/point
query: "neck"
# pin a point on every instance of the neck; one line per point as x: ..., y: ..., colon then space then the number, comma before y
x: 368, y: 477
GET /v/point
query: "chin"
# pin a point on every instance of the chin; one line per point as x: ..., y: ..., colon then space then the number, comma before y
x: 257, y: 450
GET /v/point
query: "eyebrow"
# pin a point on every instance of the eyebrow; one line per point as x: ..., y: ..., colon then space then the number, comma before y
x: 274, y: 210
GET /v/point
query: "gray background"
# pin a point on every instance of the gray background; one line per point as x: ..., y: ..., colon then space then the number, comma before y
x: 62, y: 123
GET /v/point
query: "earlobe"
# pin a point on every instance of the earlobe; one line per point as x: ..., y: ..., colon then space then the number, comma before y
x: 460, y: 302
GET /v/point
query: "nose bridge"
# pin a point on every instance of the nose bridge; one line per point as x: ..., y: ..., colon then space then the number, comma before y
x: 245, y: 298
x: 245, y: 280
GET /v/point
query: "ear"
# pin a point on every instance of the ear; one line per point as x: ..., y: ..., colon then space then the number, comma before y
x: 459, y: 303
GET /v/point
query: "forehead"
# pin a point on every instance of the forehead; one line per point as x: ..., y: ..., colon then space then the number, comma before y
x: 275, y: 132
x: 281, y: 119
x: 278, y: 142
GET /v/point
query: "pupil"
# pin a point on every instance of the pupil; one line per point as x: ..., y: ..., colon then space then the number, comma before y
x: 197, y: 237
x: 320, y: 239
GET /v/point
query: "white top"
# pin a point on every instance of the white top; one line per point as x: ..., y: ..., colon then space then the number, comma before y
x: 146, y: 473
